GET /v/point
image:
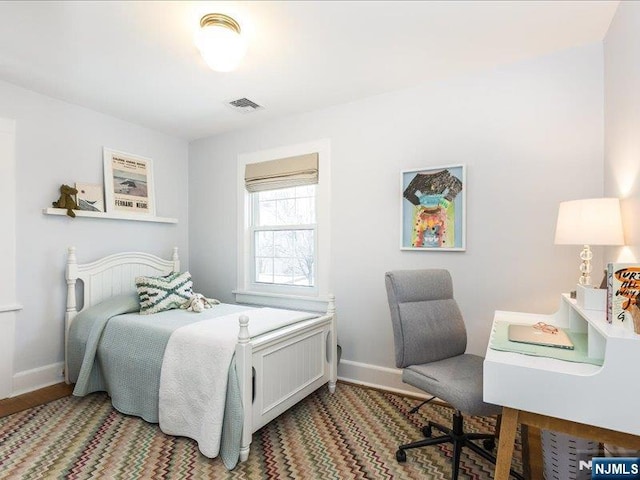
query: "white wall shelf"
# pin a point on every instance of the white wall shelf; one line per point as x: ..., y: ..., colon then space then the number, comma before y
x: 110, y: 216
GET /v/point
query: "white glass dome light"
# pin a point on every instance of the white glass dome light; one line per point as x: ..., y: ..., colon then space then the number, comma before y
x: 220, y: 42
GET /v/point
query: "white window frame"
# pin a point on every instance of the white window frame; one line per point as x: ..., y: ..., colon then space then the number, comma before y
x: 277, y: 287
x: 286, y: 296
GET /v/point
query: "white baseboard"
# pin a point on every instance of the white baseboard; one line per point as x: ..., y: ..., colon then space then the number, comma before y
x: 30, y: 380
x: 382, y: 378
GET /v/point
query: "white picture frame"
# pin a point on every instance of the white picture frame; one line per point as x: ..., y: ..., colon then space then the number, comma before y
x: 433, y: 219
x: 128, y: 182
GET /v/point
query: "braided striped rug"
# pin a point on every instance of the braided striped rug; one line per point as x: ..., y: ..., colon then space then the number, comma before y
x: 352, y: 434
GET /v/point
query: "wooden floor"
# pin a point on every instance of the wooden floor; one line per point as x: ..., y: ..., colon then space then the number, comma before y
x: 33, y: 399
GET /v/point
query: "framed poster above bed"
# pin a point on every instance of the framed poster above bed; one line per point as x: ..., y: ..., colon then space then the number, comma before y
x: 128, y: 181
x: 433, y: 209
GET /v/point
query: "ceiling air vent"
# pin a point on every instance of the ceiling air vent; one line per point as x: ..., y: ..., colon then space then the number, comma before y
x: 244, y: 105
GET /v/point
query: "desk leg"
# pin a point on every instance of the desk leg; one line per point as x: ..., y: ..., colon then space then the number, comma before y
x: 506, y: 442
x: 531, y: 452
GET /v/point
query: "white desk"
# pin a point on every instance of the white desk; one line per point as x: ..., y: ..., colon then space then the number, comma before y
x: 598, y: 402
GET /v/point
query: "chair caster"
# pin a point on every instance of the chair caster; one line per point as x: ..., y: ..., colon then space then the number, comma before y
x: 426, y: 431
x: 489, y: 444
x: 401, y: 456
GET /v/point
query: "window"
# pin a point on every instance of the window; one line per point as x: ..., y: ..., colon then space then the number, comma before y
x: 283, y: 236
x: 284, y: 227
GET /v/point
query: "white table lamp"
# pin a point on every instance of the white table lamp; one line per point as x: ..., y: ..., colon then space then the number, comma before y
x: 593, y: 221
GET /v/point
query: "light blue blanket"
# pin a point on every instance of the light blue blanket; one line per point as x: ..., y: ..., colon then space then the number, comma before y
x: 113, y: 349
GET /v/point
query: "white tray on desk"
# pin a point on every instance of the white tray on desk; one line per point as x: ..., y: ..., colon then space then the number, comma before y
x: 606, y: 396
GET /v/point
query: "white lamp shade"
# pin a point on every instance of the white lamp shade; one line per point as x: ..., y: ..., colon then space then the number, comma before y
x: 593, y: 221
x: 221, y: 47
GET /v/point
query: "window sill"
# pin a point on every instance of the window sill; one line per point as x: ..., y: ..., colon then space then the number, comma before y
x: 279, y: 300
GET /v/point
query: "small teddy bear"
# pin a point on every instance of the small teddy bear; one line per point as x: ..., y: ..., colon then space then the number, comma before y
x: 198, y: 303
x: 66, y: 200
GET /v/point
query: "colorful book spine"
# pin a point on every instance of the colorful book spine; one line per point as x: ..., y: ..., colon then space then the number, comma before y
x: 610, y: 293
x: 623, y: 295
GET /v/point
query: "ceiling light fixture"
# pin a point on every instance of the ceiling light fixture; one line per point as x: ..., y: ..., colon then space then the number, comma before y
x: 220, y: 42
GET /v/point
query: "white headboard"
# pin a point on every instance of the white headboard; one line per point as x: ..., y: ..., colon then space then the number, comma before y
x: 113, y: 275
x: 109, y: 276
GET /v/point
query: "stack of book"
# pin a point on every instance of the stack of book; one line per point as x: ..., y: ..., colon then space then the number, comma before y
x: 623, y: 295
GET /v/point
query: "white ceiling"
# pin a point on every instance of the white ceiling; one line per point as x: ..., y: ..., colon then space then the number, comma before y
x: 137, y: 61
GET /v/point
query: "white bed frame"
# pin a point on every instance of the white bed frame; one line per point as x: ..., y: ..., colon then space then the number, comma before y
x: 276, y: 370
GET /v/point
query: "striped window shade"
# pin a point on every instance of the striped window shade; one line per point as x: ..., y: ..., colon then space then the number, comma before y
x: 281, y: 173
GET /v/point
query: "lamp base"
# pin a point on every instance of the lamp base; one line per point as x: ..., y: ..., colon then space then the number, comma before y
x: 585, y: 267
x: 591, y: 298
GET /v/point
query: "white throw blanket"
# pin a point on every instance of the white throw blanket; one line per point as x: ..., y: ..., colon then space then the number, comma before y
x: 193, y: 380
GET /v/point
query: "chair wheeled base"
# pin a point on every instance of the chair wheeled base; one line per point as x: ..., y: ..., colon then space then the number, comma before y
x: 459, y: 438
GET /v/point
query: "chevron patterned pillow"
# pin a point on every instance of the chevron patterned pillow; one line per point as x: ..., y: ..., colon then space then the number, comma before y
x: 158, y: 294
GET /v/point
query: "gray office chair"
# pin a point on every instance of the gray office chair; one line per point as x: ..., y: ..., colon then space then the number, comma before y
x: 430, y: 343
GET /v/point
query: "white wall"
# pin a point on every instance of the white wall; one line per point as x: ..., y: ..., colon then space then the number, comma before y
x: 622, y: 131
x: 622, y: 122
x: 58, y: 143
x: 531, y: 135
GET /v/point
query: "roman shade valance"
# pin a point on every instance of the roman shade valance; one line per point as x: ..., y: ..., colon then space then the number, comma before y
x: 281, y: 173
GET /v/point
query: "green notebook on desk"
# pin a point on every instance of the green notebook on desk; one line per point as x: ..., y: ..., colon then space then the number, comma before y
x: 500, y: 341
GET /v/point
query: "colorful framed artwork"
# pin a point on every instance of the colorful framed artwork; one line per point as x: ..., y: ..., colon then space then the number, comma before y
x: 434, y: 208
x: 128, y: 181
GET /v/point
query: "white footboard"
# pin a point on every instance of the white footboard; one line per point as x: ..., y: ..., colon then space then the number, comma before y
x: 278, y: 369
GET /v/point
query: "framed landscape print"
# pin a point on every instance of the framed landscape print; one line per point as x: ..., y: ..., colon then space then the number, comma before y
x: 128, y: 181
x: 433, y: 208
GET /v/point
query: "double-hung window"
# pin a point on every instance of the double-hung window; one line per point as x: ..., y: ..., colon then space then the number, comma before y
x: 283, y: 237
x: 283, y: 232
